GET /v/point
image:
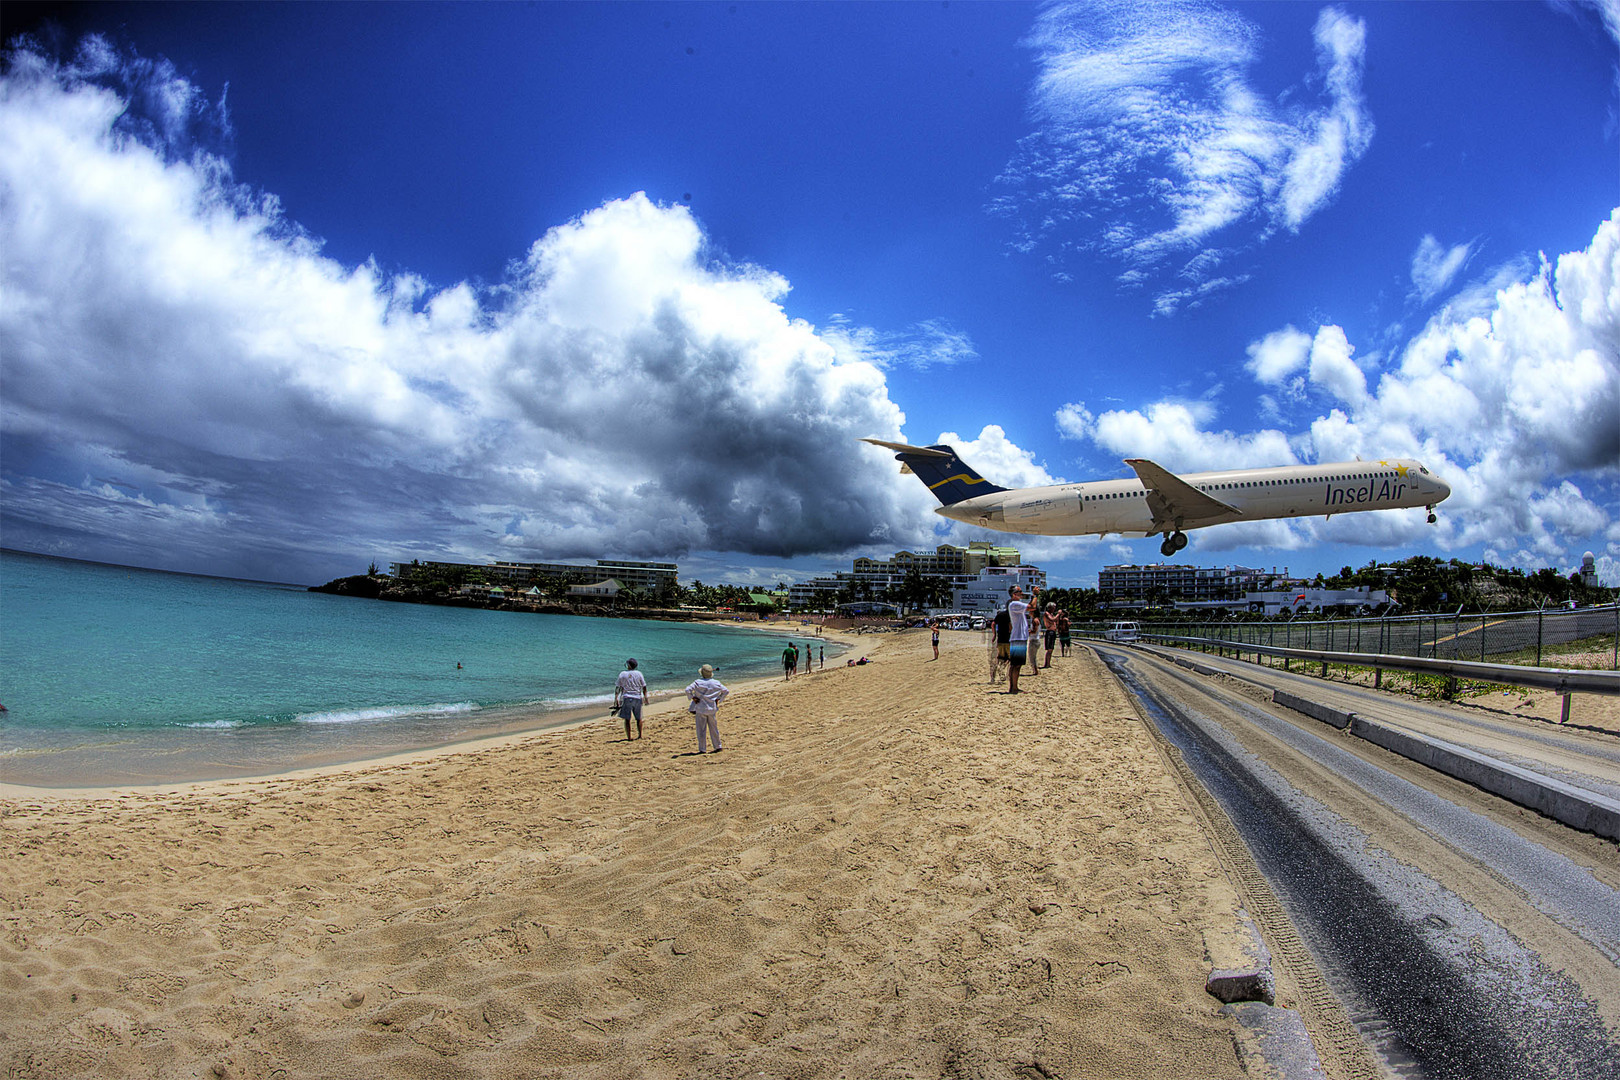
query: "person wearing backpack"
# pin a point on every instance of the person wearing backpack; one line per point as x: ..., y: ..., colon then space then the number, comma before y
x: 1000, y: 640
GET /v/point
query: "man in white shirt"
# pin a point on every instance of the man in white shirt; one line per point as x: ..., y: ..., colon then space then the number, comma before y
x: 628, y: 694
x: 1018, y: 647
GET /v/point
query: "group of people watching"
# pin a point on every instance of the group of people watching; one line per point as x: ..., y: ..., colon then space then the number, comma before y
x: 790, y: 659
x: 1020, y: 630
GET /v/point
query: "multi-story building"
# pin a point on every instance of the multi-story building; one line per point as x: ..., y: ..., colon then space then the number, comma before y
x: 431, y: 569
x: 868, y: 578
x: 1130, y: 582
x: 987, y: 593
x: 646, y: 577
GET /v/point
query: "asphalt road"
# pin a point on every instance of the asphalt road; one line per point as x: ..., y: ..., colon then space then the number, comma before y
x: 1463, y: 936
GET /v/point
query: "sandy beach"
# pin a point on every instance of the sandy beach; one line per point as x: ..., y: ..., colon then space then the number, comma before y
x: 891, y: 871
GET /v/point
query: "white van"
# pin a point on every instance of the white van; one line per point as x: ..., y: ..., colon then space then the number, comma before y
x: 1122, y: 631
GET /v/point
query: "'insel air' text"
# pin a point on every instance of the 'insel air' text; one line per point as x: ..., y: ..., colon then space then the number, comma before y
x: 1343, y: 496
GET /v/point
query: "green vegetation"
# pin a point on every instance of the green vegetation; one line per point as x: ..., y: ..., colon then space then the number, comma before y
x: 1422, y: 583
x: 1602, y: 645
x: 1417, y: 684
x: 1425, y: 584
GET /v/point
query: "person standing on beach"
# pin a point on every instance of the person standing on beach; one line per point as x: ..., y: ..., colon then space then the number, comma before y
x: 1063, y: 633
x: 823, y: 657
x: 1000, y: 641
x: 1022, y: 640
x: 1049, y: 631
x: 935, y: 627
x: 628, y: 694
x: 1033, y: 615
x: 790, y: 661
x: 706, y: 694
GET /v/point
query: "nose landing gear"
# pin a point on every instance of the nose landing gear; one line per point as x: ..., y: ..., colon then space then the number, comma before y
x: 1432, y: 518
x: 1173, y: 542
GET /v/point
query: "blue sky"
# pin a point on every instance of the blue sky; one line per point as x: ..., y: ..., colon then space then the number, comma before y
x: 292, y: 288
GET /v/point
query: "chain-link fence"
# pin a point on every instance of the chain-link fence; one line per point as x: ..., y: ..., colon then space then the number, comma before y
x: 1587, y: 638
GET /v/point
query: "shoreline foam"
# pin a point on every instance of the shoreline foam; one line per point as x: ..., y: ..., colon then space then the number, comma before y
x: 180, y: 755
x: 506, y: 724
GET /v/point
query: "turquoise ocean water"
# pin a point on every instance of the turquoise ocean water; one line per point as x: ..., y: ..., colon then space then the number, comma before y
x: 115, y: 675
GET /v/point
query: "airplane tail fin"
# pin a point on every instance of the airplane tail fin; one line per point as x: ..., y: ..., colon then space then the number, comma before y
x: 938, y: 466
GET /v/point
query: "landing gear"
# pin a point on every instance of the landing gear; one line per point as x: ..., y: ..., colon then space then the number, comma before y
x: 1173, y: 542
x: 1432, y: 518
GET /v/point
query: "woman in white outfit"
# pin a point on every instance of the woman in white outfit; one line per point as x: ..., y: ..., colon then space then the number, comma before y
x: 706, y: 694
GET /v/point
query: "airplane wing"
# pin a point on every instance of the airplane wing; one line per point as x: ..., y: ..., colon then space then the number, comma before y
x: 1174, y: 502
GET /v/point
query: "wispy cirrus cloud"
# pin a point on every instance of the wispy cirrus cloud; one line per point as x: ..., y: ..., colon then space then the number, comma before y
x: 930, y: 342
x: 1435, y: 266
x: 1152, y: 146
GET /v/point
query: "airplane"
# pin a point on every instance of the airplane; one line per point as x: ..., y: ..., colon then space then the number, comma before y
x: 1160, y: 501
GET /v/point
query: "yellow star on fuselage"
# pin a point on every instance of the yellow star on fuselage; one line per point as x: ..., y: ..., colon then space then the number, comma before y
x: 1400, y: 470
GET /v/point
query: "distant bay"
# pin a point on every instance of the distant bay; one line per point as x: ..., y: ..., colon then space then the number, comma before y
x: 118, y: 675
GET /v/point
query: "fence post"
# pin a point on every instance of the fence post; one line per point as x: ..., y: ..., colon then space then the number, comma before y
x: 1383, y: 628
x: 1539, y: 616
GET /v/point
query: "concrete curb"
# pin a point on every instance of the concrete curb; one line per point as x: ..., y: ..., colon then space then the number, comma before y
x: 1579, y: 809
x: 1241, y: 965
x: 1584, y: 810
x: 1273, y: 1043
x: 1204, y: 669
x: 1325, y: 713
x: 1277, y: 1045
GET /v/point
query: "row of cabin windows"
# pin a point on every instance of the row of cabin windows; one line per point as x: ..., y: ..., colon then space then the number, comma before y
x: 1256, y: 483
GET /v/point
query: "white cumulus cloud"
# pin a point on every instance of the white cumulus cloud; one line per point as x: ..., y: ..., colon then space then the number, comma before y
x: 1511, y: 394
x: 190, y: 382
x: 1333, y: 369
x: 1074, y: 421
x: 1278, y: 355
x: 1173, y: 433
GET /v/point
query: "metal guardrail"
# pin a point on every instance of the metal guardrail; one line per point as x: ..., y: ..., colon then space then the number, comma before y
x: 1562, y: 680
x: 1512, y: 637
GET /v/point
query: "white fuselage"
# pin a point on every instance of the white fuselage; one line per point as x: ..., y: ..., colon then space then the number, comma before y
x: 1121, y: 506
